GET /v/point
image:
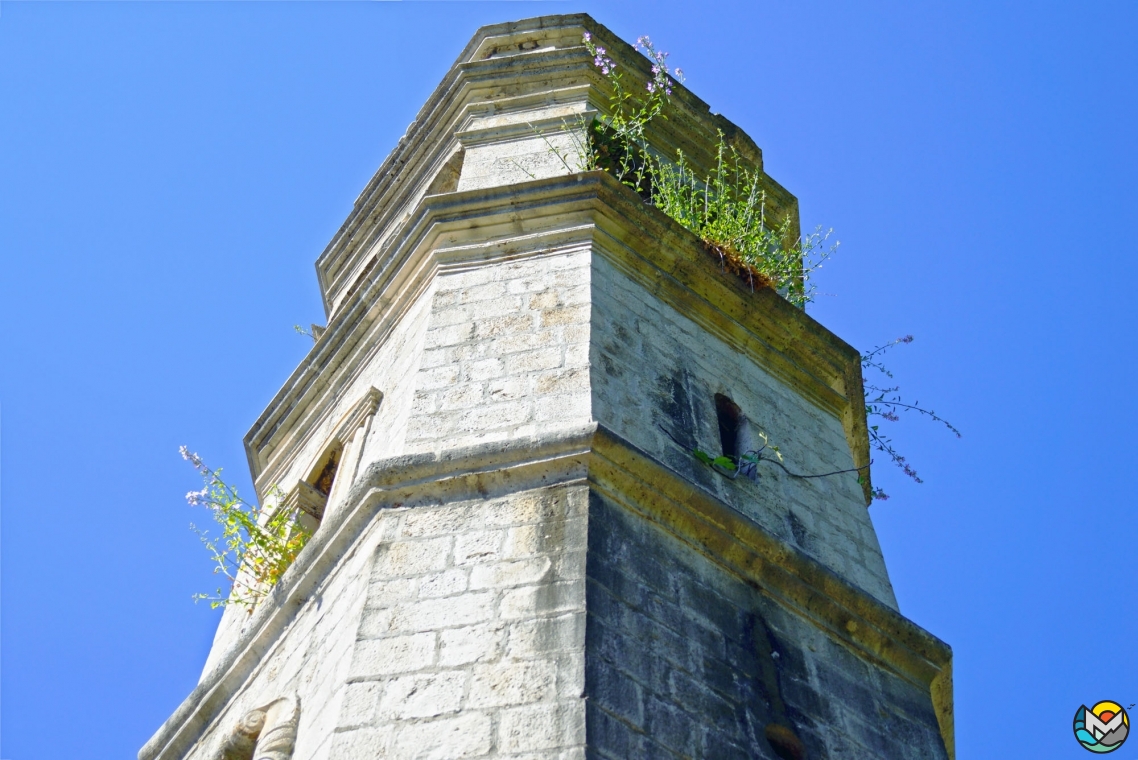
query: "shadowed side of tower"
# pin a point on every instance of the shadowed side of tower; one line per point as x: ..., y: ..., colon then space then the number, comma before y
x: 516, y: 553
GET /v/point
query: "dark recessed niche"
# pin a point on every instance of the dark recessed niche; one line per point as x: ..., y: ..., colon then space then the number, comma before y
x: 324, y: 475
x: 730, y: 425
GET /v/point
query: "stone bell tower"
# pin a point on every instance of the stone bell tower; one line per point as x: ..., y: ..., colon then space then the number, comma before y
x: 516, y: 553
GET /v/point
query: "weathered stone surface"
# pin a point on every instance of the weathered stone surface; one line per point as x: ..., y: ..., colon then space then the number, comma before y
x: 684, y: 660
x: 518, y: 555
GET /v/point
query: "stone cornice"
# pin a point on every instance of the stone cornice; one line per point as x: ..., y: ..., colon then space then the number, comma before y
x: 518, y: 66
x: 624, y: 474
x: 536, y: 218
x: 644, y: 486
x: 454, y: 475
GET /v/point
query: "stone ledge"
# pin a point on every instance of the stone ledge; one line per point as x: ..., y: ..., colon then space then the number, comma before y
x: 644, y: 486
x: 454, y: 475
x: 553, y: 215
x: 624, y: 473
x: 507, y: 66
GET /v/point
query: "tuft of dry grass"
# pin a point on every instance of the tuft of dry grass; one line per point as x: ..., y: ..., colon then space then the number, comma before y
x: 730, y: 261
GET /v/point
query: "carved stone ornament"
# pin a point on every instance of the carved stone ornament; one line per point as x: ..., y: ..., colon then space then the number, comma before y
x: 267, y: 733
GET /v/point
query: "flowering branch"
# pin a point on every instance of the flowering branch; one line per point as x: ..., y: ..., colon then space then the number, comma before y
x: 726, y: 209
x: 254, y: 548
x: 619, y: 144
x: 886, y: 405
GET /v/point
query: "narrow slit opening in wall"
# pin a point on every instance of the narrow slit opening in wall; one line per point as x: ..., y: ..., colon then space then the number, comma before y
x: 731, y: 424
x: 324, y: 474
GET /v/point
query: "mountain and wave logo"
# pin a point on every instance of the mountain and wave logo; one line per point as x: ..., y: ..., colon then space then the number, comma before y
x: 1102, y: 728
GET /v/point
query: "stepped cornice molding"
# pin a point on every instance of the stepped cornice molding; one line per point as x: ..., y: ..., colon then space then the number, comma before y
x: 537, y: 65
x: 620, y: 471
x: 543, y: 217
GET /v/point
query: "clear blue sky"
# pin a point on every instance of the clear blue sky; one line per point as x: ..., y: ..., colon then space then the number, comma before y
x: 170, y: 171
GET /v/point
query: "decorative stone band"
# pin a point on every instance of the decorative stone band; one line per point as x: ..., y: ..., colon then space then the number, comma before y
x: 487, y: 131
x: 358, y: 415
x: 880, y: 635
x: 623, y: 473
x: 534, y: 218
x: 516, y: 71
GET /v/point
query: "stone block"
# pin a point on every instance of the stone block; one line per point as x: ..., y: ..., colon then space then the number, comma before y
x: 507, y: 388
x: 526, y: 729
x: 488, y: 291
x: 559, y: 537
x: 503, y: 326
x: 423, y: 696
x: 525, y: 341
x: 547, y: 599
x: 546, y: 299
x: 512, y: 683
x: 562, y: 381
x: 484, y: 369
x: 462, y: 396
x: 577, y: 355
x: 376, y: 622
x: 528, y: 283
x: 446, y: 583
x: 467, y: 735
x: 375, y: 658
x: 361, y: 743
x: 563, y: 407
x: 436, y: 614
x: 566, y: 315
x: 437, y: 377
x: 478, y: 546
x: 470, y: 644
x: 426, y: 521
x: 492, y: 416
x: 610, y: 737
x: 510, y: 574
x: 532, y: 361
x: 449, y: 335
x: 544, y: 636
x: 405, y: 558
x: 360, y: 703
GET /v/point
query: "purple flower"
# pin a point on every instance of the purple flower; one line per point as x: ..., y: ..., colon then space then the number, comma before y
x: 588, y: 37
x: 192, y: 458
x: 651, y: 87
x: 679, y: 72
x: 600, y: 50
x: 197, y: 497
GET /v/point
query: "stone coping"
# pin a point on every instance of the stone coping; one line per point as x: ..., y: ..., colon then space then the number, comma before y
x: 515, y: 67
x: 624, y: 473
